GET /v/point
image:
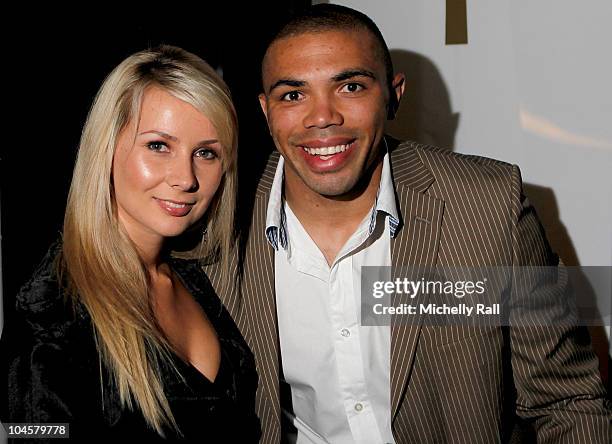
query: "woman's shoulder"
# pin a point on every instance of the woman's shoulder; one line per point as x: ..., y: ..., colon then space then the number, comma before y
x: 48, y: 357
x: 43, y: 286
x: 43, y: 301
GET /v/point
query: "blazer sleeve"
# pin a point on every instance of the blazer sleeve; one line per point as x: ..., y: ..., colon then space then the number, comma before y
x: 556, y: 375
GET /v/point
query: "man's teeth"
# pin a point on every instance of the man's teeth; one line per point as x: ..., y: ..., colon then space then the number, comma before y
x: 174, y: 205
x: 326, y: 150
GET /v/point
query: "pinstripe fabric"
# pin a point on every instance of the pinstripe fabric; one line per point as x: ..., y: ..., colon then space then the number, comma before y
x: 448, y: 384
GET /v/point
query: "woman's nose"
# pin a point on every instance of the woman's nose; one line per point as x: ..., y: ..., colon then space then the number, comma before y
x: 181, y: 175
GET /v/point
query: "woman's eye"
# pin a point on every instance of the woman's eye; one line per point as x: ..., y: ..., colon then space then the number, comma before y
x: 157, y: 146
x: 352, y: 87
x: 206, y: 154
x: 291, y: 96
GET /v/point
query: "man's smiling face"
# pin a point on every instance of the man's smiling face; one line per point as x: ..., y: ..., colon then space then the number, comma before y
x: 325, y: 99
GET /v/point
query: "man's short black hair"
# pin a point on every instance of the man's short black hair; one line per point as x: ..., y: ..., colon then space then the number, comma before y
x: 328, y: 17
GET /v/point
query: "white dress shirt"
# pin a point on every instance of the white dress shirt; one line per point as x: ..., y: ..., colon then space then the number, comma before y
x: 337, y: 369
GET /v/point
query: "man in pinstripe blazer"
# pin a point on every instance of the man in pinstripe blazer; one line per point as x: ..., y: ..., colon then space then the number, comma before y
x: 340, y: 197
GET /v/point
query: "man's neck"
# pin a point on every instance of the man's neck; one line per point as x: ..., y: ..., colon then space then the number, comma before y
x: 331, y: 221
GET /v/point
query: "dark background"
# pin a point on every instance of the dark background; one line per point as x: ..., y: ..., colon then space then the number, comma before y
x: 54, y: 63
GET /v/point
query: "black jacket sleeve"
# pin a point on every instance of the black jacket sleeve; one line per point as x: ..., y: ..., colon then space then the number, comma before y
x: 48, y: 357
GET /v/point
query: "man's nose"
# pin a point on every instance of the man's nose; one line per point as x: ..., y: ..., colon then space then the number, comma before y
x: 181, y: 173
x: 322, y: 112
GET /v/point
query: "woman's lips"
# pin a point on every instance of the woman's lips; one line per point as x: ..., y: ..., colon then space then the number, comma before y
x: 174, y: 208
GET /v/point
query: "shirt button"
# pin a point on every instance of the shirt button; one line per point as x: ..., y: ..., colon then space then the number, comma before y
x: 358, y: 407
x: 345, y: 332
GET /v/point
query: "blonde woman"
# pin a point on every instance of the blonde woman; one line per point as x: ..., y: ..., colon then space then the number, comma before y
x: 120, y: 337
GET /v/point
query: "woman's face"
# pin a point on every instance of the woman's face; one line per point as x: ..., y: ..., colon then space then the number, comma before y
x: 166, y: 170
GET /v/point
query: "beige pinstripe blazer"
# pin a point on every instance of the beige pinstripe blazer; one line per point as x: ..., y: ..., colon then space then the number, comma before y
x: 448, y: 384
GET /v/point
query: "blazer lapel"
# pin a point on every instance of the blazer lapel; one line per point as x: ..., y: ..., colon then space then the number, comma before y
x: 416, y: 244
x: 260, y: 307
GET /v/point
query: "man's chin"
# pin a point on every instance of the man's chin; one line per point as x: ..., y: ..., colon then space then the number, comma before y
x: 333, y: 189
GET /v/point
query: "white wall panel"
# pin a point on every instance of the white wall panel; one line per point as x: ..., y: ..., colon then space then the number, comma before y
x: 533, y: 86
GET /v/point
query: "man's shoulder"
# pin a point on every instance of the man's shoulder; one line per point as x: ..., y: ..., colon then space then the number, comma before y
x: 437, y: 157
x: 446, y: 166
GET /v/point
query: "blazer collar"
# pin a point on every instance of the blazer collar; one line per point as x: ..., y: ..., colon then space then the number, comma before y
x: 408, y: 166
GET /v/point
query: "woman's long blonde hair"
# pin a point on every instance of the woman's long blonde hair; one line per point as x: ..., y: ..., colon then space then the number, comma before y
x: 102, y: 267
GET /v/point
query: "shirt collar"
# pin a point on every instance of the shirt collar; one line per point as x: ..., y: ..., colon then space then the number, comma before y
x: 385, y: 198
x: 276, y: 225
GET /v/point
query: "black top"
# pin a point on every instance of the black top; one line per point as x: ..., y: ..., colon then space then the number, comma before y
x: 54, y: 373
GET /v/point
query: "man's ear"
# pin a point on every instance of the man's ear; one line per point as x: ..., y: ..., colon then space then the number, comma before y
x: 395, y: 94
x: 263, y: 102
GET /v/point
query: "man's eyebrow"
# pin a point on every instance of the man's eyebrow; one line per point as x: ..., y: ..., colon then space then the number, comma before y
x: 160, y: 133
x: 344, y: 75
x: 287, y: 82
x: 351, y: 73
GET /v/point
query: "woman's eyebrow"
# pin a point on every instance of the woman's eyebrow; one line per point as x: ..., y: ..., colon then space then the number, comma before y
x: 175, y: 139
x: 208, y: 142
x: 160, y: 133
